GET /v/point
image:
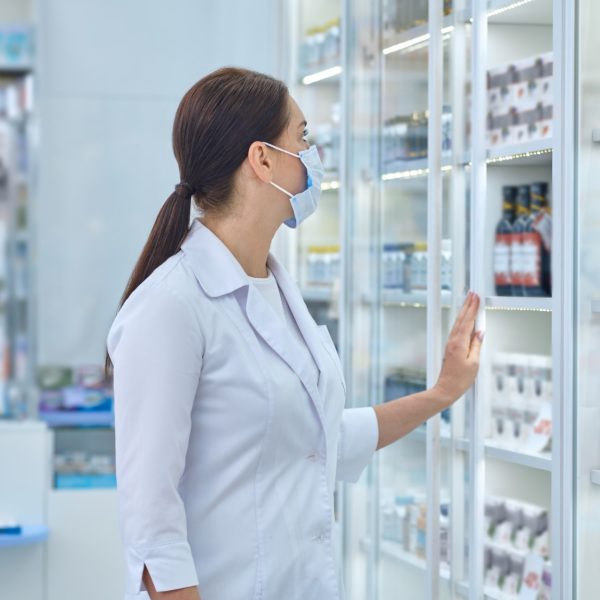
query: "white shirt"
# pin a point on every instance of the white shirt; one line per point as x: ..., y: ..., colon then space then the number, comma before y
x: 228, y: 441
x: 273, y: 295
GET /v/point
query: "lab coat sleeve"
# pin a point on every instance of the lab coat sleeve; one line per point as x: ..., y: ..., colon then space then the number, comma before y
x: 357, y: 442
x: 157, y: 355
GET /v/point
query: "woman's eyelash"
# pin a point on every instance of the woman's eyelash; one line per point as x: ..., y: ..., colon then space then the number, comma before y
x: 305, y: 132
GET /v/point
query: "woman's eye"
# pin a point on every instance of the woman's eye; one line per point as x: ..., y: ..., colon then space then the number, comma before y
x: 305, y: 135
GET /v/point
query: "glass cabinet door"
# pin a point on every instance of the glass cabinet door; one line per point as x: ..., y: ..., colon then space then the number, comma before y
x: 316, y: 77
x: 445, y: 183
x: 401, y: 303
x: 586, y: 311
x: 511, y: 259
x: 361, y: 98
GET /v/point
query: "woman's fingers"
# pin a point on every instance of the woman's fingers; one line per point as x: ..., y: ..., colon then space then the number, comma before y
x: 475, y: 350
x: 461, y: 313
x: 466, y: 326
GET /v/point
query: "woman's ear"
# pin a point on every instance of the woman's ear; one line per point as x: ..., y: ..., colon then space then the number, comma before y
x: 260, y: 161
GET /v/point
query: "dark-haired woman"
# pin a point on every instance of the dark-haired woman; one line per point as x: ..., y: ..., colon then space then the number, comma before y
x: 229, y: 399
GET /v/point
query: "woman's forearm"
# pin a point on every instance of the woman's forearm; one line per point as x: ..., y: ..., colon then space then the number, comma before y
x: 459, y: 369
x: 188, y: 593
x: 398, y: 417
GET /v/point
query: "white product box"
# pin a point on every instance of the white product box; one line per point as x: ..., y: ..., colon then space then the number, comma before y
x: 545, y: 88
x: 523, y: 126
x: 528, y: 73
x: 497, y: 89
x: 545, y: 124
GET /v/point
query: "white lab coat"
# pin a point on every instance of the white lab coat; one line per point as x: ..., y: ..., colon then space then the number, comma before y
x: 221, y: 481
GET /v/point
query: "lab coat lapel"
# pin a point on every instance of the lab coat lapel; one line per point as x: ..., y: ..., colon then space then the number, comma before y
x: 299, y: 310
x: 219, y: 273
x: 274, y: 332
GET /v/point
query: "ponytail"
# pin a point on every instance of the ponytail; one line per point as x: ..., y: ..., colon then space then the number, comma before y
x: 167, y: 234
x: 215, y: 123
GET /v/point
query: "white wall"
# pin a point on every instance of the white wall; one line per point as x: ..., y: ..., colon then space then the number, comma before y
x: 111, y: 74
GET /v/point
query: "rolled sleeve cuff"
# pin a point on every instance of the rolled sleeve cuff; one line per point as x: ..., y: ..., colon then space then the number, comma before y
x: 358, y: 440
x: 171, y: 567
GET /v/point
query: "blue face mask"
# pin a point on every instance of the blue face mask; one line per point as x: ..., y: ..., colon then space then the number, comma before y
x: 305, y: 203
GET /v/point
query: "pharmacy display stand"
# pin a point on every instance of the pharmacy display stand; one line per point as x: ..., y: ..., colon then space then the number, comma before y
x: 456, y: 172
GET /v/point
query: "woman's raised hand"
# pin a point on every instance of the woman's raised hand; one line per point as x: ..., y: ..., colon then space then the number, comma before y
x: 461, y: 356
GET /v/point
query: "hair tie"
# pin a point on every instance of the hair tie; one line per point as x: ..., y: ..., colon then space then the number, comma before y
x: 184, y: 189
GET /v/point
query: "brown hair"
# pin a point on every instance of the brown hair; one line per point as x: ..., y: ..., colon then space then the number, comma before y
x: 215, y: 123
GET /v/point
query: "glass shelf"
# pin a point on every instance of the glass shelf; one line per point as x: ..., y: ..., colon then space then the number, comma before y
x: 402, y: 299
x: 518, y: 303
x: 414, y: 38
x: 534, y: 153
x: 543, y: 462
x: 327, y: 75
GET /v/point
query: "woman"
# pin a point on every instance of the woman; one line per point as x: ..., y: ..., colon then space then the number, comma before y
x: 229, y: 399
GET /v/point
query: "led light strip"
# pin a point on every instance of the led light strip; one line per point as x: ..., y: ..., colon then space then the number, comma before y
x: 411, y: 174
x: 320, y: 75
x: 496, y: 159
x: 419, y: 40
x: 519, y: 308
x: 499, y: 11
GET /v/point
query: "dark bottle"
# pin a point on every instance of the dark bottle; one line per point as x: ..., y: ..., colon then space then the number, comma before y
x: 517, y: 247
x: 503, y: 243
x: 536, y: 251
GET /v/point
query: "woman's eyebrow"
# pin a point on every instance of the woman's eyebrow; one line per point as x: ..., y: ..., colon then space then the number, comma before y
x: 302, y: 124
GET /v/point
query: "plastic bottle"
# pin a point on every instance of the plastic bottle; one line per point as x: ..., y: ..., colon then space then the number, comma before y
x: 446, y: 264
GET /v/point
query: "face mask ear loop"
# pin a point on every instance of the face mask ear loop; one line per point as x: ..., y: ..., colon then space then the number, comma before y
x: 280, y: 188
x: 282, y: 149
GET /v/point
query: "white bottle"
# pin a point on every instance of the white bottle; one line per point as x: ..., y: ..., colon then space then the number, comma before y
x: 446, y: 264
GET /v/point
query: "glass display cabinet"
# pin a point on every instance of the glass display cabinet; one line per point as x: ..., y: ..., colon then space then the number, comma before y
x: 465, y: 134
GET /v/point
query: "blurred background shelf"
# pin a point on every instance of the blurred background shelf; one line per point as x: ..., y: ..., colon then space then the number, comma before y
x: 62, y: 418
x: 30, y: 534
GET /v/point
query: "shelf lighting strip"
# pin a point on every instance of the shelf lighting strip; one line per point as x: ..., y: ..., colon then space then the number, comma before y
x: 320, y: 75
x: 498, y: 11
x: 414, y: 173
x: 416, y: 41
x: 530, y: 154
x: 411, y: 174
x: 519, y: 308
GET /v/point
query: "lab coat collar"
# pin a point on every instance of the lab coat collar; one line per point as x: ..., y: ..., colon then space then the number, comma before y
x: 215, y: 267
x: 219, y: 272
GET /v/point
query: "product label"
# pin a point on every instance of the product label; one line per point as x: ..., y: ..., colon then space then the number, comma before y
x: 541, y: 433
x: 502, y: 262
x: 532, y: 577
x: 543, y: 225
x: 531, y: 259
x: 516, y: 258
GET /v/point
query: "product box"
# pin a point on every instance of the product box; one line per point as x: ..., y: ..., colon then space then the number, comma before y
x: 16, y: 46
x: 497, y: 90
x: 500, y: 129
x: 545, y: 88
x: 544, y: 125
x: 526, y: 122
